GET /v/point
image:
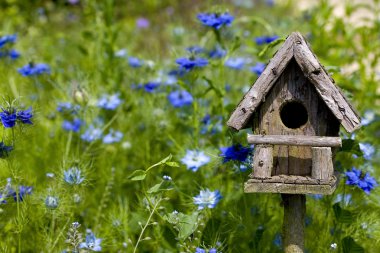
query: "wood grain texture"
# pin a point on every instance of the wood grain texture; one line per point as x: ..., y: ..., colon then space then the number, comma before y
x: 262, y: 161
x: 293, y: 86
x: 291, y: 185
x: 241, y: 115
x: 297, y: 140
x: 295, y: 47
x: 322, y: 167
x: 293, y: 227
x: 331, y: 94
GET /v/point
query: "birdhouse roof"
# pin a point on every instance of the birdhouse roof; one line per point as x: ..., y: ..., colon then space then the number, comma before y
x: 295, y: 47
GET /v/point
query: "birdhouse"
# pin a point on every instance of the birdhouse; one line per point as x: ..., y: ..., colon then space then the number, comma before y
x: 295, y: 111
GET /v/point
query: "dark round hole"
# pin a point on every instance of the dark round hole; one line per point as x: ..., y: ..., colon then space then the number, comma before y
x: 293, y: 114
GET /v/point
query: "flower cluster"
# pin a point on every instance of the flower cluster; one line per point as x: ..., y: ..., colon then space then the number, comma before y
x: 34, y: 69
x: 361, y: 179
x: 190, y: 63
x: 261, y: 40
x: 215, y: 20
x: 17, y: 195
x: 10, y: 116
x: 5, y: 52
x: 207, y: 199
x: 109, y: 102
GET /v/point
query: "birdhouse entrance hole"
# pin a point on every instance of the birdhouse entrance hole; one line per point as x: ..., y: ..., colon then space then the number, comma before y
x: 293, y: 114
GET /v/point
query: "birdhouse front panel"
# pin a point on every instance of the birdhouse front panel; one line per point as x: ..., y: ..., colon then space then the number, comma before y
x: 294, y: 107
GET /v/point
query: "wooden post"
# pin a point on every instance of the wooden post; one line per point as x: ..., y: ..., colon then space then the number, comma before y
x: 322, y: 165
x: 294, y: 222
x: 263, y: 161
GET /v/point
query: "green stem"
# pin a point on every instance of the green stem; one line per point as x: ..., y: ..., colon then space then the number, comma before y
x: 146, y: 224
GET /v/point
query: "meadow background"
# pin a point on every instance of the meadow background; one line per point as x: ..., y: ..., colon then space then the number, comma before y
x: 128, y: 150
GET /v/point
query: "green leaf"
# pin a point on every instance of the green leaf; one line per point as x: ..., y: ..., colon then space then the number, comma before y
x: 342, y: 215
x: 352, y: 146
x: 138, y: 175
x: 163, y: 161
x: 172, y: 164
x: 186, y: 224
x: 163, y: 186
x: 350, y: 246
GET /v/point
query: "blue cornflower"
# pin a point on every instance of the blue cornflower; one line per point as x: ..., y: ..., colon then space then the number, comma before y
x: 25, y: 116
x: 361, y: 180
x: 190, y: 63
x: 194, y: 159
x: 73, y: 176
x: 92, y: 243
x: 32, y: 69
x: 217, y: 52
x: 214, y: 20
x: 7, y: 39
x: 235, y: 152
x: 367, y: 149
x: 200, y: 250
x: 135, y: 62
x: 22, y: 191
x: 195, y: 49
x: 265, y: 39
x: 212, y: 250
x: 8, y: 118
x: 51, y: 202
x: 91, y: 134
x: 207, y: 199
x: 109, y: 102
x: 150, y: 87
x: 235, y: 63
x: 180, y: 98
x: 112, y: 137
x: 72, y: 125
x: 258, y: 68
x: 4, y: 150
x: 14, y: 54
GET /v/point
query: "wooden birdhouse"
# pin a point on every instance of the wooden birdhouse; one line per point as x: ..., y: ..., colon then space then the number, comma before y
x: 295, y: 111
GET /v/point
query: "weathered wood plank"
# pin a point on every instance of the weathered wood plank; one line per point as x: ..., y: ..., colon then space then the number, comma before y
x: 331, y: 95
x: 322, y: 167
x: 264, y: 187
x: 296, y: 140
x: 262, y: 161
x: 263, y: 84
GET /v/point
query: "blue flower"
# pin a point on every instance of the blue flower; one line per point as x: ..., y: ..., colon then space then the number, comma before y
x: 51, y: 202
x: 195, y: 159
x: 211, y: 125
x: 258, y: 68
x: 235, y: 63
x: 363, y: 181
x: 4, y: 150
x: 8, y: 118
x: 32, y: 69
x: 200, y: 250
x: 121, y: 53
x: 190, y: 63
x: 207, y: 199
x: 73, y: 176
x: 109, y: 102
x: 72, y: 125
x: 180, y: 98
x: 235, y: 152
x: 265, y: 39
x: 25, y: 116
x: 13, y: 54
x: 277, y: 240
x: 135, y: 62
x: 367, y: 149
x: 7, y: 39
x: 92, y: 243
x: 112, y: 137
x: 150, y: 87
x: 212, y: 250
x: 214, y: 20
x: 22, y: 191
x: 91, y: 134
x: 217, y: 52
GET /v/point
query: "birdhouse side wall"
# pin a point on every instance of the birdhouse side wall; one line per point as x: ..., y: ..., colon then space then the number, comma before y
x: 293, y: 87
